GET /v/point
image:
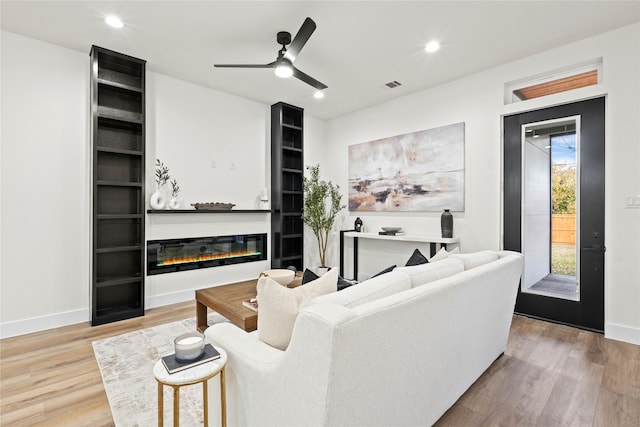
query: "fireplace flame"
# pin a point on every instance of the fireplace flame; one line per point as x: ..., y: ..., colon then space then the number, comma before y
x: 204, y: 257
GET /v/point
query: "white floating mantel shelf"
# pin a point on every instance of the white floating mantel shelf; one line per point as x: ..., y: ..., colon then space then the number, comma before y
x: 204, y: 211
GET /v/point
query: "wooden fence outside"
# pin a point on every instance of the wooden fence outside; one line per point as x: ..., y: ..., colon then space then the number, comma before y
x: 563, y: 228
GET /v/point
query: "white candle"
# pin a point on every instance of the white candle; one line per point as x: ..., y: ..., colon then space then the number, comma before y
x: 189, y: 346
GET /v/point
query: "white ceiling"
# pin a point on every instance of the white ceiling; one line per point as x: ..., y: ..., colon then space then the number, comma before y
x: 358, y: 46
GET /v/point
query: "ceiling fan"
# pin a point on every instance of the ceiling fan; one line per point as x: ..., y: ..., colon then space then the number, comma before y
x: 283, y: 64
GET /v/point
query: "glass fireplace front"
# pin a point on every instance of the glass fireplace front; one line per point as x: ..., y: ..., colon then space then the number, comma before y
x: 168, y: 256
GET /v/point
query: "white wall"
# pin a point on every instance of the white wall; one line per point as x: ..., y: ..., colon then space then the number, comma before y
x: 478, y: 101
x: 45, y: 184
x: 188, y: 127
x: 45, y: 197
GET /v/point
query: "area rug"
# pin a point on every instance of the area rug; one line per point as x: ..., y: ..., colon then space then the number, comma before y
x: 126, y: 363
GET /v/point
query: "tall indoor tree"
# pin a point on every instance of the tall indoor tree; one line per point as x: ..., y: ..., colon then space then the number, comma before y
x: 322, y: 202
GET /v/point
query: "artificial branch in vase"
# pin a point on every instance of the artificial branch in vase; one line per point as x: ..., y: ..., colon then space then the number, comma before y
x: 321, y: 206
x: 175, y: 188
x: 162, y: 174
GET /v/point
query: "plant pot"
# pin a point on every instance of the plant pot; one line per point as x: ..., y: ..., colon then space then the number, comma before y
x: 174, y: 203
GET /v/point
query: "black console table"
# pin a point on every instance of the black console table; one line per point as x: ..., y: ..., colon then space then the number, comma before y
x: 434, y: 244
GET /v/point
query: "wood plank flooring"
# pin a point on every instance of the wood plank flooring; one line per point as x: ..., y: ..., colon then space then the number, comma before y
x: 550, y: 375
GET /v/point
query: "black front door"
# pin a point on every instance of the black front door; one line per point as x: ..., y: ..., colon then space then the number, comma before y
x: 554, y: 210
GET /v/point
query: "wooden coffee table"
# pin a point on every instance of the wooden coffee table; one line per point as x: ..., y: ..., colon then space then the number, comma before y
x: 227, y: 300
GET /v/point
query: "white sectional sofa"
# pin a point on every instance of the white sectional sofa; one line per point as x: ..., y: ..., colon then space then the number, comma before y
x: 395, y: 350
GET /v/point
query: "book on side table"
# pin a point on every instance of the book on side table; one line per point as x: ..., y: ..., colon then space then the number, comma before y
x: 173, y: 365
x: 251, y: 304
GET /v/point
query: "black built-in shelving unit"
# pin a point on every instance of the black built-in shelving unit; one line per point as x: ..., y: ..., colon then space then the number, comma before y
x: 287, y: 170
x: 118, y: 201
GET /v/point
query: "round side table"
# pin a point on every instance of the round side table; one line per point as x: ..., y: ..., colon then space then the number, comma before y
x: 197, y: 374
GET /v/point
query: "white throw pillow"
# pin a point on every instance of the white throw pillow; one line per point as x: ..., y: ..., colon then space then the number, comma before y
x: 278, y: 306
x: 442, y: 254
x: 476, y: 259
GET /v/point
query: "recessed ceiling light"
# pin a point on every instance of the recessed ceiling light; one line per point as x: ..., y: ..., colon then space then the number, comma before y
x: 113, y: 21
x: 432, y: 46
x: 319, y: 94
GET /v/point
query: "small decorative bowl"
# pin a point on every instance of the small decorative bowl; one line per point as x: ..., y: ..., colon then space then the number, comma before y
x: 189, y: 346
x: 280, y: 275
x: 391, y: 229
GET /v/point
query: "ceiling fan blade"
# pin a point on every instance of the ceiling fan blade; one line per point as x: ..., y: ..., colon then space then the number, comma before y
x: 270, y: 65
x: 308, y: 79
x: 305, y: 31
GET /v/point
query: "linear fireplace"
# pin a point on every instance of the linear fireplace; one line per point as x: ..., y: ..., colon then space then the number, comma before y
x: 168, y: 256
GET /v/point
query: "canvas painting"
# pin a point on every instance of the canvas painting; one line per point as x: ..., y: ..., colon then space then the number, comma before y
x: 419, y: 171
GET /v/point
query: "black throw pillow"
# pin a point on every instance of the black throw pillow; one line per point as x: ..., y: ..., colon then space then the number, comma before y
x: 417, y: 258
x: 308, y: 276
x: 343, y: 284
x: 386, y: 270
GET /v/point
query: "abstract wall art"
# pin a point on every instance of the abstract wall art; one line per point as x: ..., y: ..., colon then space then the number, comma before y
x: 419, y: 171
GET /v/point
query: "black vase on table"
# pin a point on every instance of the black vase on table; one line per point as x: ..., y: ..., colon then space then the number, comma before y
x: 446, y: 224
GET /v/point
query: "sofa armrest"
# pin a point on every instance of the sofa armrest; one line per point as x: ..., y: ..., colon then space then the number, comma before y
x: 242, y: 345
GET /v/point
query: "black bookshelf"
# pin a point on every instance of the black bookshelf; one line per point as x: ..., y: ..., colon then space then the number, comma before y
x: 287, y: 171
x: 118, y: 155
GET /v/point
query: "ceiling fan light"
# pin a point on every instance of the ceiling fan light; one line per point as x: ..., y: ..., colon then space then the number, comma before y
x: 319, y: 94
x: 284, y: 69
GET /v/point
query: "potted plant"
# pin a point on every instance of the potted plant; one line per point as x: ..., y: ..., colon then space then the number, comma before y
x: 321, y: 206
x: 175, y: 192
x: 157, y: 200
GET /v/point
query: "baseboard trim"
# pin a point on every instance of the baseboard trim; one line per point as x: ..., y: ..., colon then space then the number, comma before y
x: 51, y: 321
x: 168, y: 299
x: 42, y: 323
x: 622, y: 333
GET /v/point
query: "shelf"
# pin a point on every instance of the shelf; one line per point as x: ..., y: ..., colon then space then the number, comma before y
x: 118, y: 169
x: 291, y: 170
x: 113, y: 314
x: 119, y: 85
x: 202, y: 211
x: 291, y: 236
x: 294, y: 149
x: 118, y: 249
x: 120, y: 115
x: 118, y: 151
x: 119, y: 183
x: 105, y: 283
x: 118, y: 216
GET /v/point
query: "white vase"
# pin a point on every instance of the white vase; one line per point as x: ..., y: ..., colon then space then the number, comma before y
x: 174, y: 203
x: 157, y: 200
x: 321, y: 270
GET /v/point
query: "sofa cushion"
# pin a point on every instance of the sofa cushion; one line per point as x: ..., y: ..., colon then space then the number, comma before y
x: 279, y: 306
x: 475, y: 259
x: 442, y: 254
x: 416, y: 258
x: 309, y: 276
x: 369, y: 290
x: 425, y: 273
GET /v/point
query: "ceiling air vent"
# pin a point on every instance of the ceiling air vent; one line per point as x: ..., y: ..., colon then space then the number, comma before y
x: 393, y: 84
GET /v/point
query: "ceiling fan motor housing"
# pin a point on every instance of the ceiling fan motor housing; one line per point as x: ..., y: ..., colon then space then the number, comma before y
x: 284, y: 38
